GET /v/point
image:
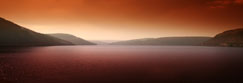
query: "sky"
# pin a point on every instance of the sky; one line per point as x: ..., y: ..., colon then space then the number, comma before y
x: 125, y: 19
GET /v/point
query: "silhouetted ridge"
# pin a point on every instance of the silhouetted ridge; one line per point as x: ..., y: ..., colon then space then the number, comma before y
x: 75, y: 40
x: 179, y: 41
x: 12, y: 34
x: 232, y: 38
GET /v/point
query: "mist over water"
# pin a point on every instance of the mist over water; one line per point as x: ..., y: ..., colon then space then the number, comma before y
x: 139, y: 64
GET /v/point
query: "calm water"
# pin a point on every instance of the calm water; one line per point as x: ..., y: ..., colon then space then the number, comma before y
x: 125, y: 64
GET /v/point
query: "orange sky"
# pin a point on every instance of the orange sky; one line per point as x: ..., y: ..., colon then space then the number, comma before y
x: 125, y: 19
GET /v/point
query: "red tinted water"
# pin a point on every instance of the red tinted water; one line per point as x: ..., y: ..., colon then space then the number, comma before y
x: 133, y: 64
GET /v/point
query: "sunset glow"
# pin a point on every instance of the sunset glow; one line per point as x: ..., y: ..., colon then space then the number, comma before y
x: 125, y: 19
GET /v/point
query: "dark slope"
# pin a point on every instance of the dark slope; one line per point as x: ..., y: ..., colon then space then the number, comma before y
x: 180, y: 41
x: 232, y: 38
x: 12, y: 34
x: 75, y: 40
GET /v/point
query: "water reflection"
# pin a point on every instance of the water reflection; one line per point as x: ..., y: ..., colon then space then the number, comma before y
x: 134, y: 64
x: 15, y: 49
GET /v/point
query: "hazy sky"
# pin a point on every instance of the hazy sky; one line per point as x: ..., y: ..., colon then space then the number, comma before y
x: 125, y: 19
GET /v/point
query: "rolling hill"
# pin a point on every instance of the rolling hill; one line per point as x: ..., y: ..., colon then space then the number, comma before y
x: 73, y: 39
x: 12, y: 34
x: 230, y: 38
x: 174, y: 41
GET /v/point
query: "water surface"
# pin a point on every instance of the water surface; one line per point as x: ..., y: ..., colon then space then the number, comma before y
x: 125, y: 64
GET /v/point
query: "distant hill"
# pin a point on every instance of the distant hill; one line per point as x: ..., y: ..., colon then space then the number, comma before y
x: 103, y: 42
x: 99, y: 42
x: 12, y: 34
x: 231, y: 38
x: 73, y: 39
x: 176, y: 41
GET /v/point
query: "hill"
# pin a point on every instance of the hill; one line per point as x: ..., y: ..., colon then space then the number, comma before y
x: 176, y: 41
x: 12, y: 34
x: 73, y: 39
x: 230, y: 38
